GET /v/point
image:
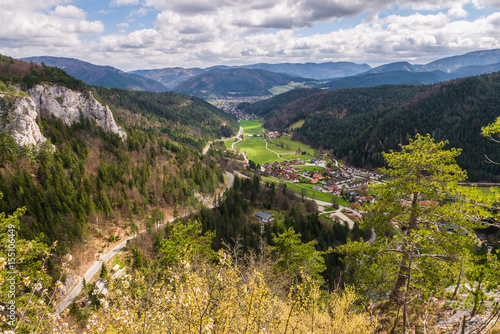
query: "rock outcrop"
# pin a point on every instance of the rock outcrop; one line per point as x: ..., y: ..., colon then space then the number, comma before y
x: 66, y: 104
x: 18, y: 117
x: 18, y: 113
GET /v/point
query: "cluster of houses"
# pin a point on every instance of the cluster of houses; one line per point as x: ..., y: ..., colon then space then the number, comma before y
x: 327, y: 180
x: 274, y: 134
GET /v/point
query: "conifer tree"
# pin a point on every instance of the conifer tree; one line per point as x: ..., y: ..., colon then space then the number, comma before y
x: 424, y: 223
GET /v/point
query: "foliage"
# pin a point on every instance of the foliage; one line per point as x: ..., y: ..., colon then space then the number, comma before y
x: 62, y: 188
x: 425, y: 227
x: 25, y: 286
x: 294, y: 257
x: 178, y: 115
x: 224, y: 298
x: 185, y: 242
x: 30, y: 74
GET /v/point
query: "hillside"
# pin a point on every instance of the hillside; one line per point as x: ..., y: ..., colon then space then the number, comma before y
x: 450, y: 64
x: 184, y: 118
x: 388, y: 77
x: 358, y: 124
x: 105, y: 76
x: 91, y: 178
x: 316, y: 71
x: 170, y: 77
x: 235, y: 83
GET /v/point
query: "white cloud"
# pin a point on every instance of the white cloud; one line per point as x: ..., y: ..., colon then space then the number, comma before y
x: 207, y: 32
x: 124, y: 2
x: 457, y: 11
x: 44, y: 27
x: 70, y: 11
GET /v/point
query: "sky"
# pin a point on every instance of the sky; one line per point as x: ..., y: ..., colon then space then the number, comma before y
x: 150, y: 34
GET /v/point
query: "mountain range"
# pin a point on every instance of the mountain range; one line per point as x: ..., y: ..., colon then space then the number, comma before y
x: 260, y: 79
x: 105, y: 76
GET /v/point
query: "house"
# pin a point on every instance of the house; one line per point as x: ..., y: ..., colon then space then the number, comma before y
x: 317, y: 176
x: 264, y: 217
x: 101, y: 288
x: 314, y: 181
x: 317, y: 188
x: 115, y: 269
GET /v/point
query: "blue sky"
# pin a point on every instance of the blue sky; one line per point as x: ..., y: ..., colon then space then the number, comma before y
x: 140, y: 34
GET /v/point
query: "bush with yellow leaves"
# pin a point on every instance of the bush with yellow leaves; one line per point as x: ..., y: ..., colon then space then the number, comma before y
x: 223, y: 298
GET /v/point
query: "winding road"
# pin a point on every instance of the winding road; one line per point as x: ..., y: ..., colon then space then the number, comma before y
x: 96, y: 266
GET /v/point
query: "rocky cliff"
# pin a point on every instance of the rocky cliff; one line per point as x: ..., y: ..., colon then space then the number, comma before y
x: 18, y: 117
x: 18, y: 113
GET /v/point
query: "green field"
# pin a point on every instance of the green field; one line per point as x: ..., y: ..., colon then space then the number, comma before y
x: 255, y: 147
x: 289, y: 144
x: 308, y: 192
x: 252, y: 127
x: 310, y: 168
x: 296, y: 125
x: 255, y: 150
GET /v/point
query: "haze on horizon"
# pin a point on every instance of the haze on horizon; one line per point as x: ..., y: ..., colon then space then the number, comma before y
x: 146, y: 34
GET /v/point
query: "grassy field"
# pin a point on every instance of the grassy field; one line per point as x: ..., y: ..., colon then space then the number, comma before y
x: 296, y: 125
x: 289, y: 144
x: 255, y: 150
x: 255, y: 147
x: 275, y: 90
x: 228, y: 143
x: 310, y: 168
x: 308, y: 192
x: 251, y: 127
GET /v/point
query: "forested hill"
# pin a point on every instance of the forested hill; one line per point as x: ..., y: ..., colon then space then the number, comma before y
x: 90, y: 185
x: 183, y: 118
x: 235, y: 83
x: 358, y: 124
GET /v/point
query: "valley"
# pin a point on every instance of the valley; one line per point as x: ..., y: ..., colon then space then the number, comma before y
x: 159, y: 209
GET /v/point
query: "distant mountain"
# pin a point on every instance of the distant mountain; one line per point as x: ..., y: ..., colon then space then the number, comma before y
x: 238, y: 82
x: 170, y: 77
x: 386, y: 78
x: 105, y: 76
x: 392, y: 67
x: 468, y: 71
x: 320, y: 71
x: 450, y: 64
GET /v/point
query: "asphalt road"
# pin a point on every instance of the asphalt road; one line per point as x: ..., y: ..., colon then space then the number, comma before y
x: 96, y: 266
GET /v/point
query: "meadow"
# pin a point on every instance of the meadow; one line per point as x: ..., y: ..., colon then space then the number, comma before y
x: 320, y: 196
x: 255, y: 147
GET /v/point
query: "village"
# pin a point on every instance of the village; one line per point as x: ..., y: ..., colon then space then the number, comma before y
x: 342, y: 181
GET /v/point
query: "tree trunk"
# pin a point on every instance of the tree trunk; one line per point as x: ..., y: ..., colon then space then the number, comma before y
x: 397, y: 293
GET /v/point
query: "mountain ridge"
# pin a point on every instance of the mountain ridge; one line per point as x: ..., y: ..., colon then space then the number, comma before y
x: 105, y: 76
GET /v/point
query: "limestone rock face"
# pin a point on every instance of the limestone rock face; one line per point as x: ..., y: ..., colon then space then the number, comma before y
x: 18, y: 113
x: 18, y: 117
x: 66, y: 104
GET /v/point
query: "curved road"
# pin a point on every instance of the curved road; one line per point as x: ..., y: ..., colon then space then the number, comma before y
x: 96, y: 266
x: 205, y: 150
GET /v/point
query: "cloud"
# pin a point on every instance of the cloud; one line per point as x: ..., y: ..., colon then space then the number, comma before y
x: 124, y: 2
x: 207, y: 32
x: 44, y: 27
x: 70, y: 11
